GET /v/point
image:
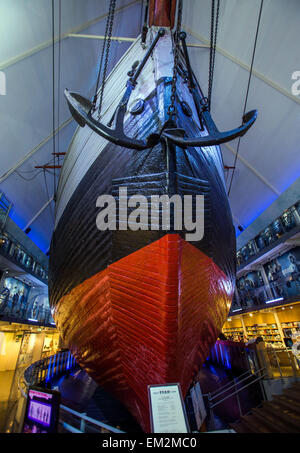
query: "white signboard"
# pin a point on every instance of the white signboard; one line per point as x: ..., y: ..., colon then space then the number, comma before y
x: 166, y: 409
x: 198, y: 405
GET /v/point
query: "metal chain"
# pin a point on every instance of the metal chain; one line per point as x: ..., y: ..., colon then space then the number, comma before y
x: 102, y: 58
x: 110, y: 21
x: 213, y: 44
x: 211, y: 47
x: 172, y: 109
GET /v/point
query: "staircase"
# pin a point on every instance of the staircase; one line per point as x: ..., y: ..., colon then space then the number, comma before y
x: 281, y: 415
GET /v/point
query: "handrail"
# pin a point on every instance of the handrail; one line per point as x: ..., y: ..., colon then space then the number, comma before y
x: 237, y: 391
x: 71, y: 428
x: 224, y: 390
x: 67, y: 426
x: 228, y: 383
x: 91, y: 420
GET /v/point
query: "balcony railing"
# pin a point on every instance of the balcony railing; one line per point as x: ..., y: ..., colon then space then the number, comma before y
x: 43, y: 372
x: 279, y: 228
x: 12, y: 250
x: 283, y: 289
x: 18, y: 312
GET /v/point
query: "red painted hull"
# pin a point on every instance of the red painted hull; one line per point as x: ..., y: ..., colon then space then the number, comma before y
x: 149, y: 318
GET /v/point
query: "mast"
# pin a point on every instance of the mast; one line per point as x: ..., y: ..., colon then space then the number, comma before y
x: 162, y: 13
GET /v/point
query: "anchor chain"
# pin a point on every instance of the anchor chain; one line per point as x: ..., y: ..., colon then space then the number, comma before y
x: 213, y: 44
x: 104, y: 56
x: 172, y: 109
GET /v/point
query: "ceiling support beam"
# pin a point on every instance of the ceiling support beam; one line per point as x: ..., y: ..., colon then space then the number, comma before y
x: 45, y: 44
x: 252, y: 169
x: 34, y: 150
x: 243, y: 65
x: 101, y: 37
x: 38, y: 213
x: 123, y: 39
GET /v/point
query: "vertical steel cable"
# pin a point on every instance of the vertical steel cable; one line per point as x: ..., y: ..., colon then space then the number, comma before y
x: 53, y: 89
x: 56, y: 157
x: 248, y: 87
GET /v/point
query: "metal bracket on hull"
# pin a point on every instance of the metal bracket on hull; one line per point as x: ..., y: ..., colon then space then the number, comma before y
x: 81, y: 110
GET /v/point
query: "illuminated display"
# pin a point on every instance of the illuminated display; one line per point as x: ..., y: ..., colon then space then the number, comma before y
x: 42, y: 411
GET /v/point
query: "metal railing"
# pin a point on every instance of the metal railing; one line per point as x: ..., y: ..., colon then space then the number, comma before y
x: 19, y: 313
x: 11, y: 249
x: 76, y: 422
x: 287, y: 222
x: 220, y: 395
x: 282, y: 289
x: 282, y: 363
x: 48, y: 368
x: 42, y: 372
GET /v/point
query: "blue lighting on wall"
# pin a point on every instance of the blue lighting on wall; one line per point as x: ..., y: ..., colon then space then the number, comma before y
x: 261, y: 208
x: 52, y: 373
x: 48, y: 372
x: 256, y: 215
x: 40, y: 242
x: 227, y: 358
x: 68, y: 362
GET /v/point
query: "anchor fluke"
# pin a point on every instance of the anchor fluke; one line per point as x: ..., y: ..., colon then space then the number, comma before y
x: 214, y: 137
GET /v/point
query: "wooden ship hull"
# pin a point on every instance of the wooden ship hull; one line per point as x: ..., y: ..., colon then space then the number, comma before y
x: 141, y: 307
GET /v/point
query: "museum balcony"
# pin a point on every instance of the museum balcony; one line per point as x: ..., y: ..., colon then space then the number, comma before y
x: 17, y: 248
x: 277, y: 235
x: 13, y: 251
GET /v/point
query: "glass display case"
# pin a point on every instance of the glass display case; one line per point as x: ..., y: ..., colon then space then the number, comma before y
x: 260, y: 242
x: 239, y: 258
x: 277, y: 228
x: 288, y: 219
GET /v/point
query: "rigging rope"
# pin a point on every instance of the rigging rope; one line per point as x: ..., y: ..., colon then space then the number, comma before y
x: 53, y: 89
x: 56, y: 157
x: 247, y: 93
